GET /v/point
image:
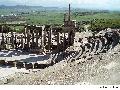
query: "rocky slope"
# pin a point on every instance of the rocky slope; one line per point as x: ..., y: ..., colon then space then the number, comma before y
x: 102, y: 69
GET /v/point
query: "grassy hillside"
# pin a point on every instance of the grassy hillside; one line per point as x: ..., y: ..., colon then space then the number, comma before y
x: 46, y: 15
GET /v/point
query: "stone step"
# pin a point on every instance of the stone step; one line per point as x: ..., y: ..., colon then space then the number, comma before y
x: 25, y: 65
x: 2, y: 63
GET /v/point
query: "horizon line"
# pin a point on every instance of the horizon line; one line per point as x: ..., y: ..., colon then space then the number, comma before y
x: 60, y: 7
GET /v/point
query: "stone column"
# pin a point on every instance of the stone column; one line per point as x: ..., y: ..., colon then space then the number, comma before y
x: 49, y: 38
x: 45, y: 33
x: 58, y: 40
x: 6, y: 39
x: 12, y: 39
x: 28, y: 38
x: 25, y: 34
x: 43, y: 37
x: 15, y: 42
x: 33, y: 37
x: 64, y: 40
x: 69, y: 38
x: 2, y: 36
x: 37, y: 37
x: 22, y: 45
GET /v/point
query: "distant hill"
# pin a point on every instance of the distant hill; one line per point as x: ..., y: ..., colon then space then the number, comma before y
x: 24, y: 7
x: 28, y: 7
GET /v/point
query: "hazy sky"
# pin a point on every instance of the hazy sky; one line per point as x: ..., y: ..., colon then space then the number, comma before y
x: 97, y: 4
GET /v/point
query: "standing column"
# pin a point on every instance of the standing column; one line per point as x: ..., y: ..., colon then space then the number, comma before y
x: 37, y: 37
x: 28, y: 38
x: 25, y: 34
x: 72, y: 36
x: 45, y: 33
x: 64, y: 40
x: 33, y: 46
x: 49, y: 39
x: 22, y: 42
x: 12, y: 38
x: 2, y: 37
x: 43, y: 37
x: 69, y: 38
x: 58, y: 40
x: 6, y: 39
x: 15, y: 41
